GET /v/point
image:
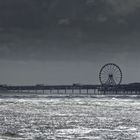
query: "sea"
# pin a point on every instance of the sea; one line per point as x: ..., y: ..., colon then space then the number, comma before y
x: 43, y: 117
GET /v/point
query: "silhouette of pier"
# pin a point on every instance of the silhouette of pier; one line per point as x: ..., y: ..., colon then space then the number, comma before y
x: 110, y: 77
x: 127, y: 89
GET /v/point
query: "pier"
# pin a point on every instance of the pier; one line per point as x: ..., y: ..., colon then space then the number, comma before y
x: 127, y: 89
x: 110, y: 77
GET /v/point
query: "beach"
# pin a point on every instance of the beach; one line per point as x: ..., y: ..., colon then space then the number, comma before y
x: 43, y: 118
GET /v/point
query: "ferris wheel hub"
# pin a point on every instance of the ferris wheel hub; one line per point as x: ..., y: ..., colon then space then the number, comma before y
x: 110, y: 75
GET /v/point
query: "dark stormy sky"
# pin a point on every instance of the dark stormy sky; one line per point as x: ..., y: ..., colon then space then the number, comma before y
x: 67, y: 41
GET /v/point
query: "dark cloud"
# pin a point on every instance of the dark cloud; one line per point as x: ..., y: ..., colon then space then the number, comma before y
x: 68, y: 29
x: 65, y: 13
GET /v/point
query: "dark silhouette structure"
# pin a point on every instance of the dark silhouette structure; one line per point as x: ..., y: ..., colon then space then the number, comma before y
x: 110, y: 77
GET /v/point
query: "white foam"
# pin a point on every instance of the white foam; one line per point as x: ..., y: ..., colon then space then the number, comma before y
x: 124, y: 128
x: 79, y: 130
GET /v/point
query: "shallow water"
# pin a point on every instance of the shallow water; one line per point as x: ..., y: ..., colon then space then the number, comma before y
x: 69, y: 118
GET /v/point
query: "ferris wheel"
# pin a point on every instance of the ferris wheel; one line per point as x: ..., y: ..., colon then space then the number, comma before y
x: 110, y: 74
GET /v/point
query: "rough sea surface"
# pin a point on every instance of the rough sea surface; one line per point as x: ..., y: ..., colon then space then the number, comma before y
x: 85, y: 118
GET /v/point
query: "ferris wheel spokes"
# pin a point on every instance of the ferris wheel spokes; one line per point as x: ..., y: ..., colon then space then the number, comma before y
x: 110, y: 74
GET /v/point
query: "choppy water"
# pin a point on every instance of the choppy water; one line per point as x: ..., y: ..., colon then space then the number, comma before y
x: 69, y: 118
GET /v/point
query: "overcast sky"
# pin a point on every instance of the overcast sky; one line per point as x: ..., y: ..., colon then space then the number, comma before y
x: 66, y: 41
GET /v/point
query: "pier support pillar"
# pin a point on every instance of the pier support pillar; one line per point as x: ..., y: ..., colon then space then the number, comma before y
x: 80, y: 91
x: 50, y: 91
x: 72, y: 91
x: 87, y: 91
